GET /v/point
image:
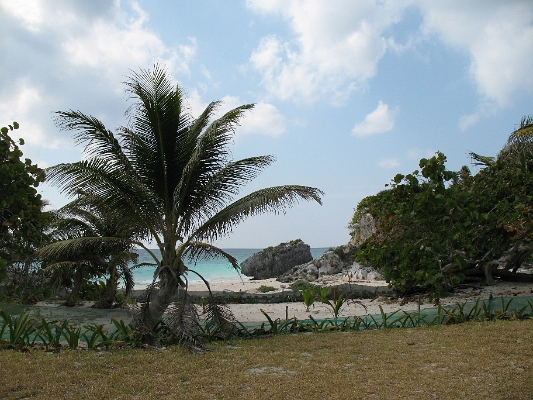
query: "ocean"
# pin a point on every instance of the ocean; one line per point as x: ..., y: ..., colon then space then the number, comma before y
x: 213, y: 270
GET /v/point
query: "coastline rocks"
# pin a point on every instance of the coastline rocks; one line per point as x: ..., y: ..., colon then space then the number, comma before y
x: 332, y: 262
x: 275, y: 261
x: 358, y: 272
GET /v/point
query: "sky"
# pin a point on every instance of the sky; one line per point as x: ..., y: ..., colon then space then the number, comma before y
x: 348, y: 93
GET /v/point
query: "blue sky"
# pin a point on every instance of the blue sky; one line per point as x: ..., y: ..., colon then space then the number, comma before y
x: 348, y: 93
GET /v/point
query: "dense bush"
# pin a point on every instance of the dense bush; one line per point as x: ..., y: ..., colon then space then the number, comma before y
x: 436, y: 227
x: 21, y: 217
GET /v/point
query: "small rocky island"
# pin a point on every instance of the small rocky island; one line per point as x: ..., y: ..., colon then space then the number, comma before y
x: 275, y: 261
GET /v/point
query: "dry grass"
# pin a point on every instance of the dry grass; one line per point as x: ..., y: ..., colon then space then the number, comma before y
x: 479, y: 360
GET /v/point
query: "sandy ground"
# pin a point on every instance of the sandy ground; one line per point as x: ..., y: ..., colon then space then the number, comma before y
x: 252, y: 312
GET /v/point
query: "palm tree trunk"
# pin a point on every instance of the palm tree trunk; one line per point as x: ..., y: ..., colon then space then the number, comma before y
x: 108, y: 297
x: 74, y: 295
x: 163, y: 298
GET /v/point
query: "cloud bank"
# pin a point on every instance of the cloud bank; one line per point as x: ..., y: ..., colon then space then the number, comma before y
x: 334, y: 48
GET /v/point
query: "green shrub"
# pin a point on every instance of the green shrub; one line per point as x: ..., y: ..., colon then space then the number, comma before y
x: 302, y: 285
x: 435, y: 227
x: 266, y: 289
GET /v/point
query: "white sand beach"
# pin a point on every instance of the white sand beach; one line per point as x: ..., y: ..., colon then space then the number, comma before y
x: 252, y: 312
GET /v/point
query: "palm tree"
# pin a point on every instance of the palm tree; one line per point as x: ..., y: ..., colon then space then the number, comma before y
x: 518, y: 144
x: 90, y: 241
x: 171, y: 175
x: 520, y: 141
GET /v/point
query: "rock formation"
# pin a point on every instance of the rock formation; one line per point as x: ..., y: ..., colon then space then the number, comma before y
x: 275, y: 261
x: 362, y: 229
x: 338, y: 261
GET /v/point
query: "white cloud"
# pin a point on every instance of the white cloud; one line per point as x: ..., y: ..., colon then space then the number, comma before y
x: 29, y: 12
x: 378, y: 121
x: 263, y: 119
x: 466, y: 121
x: 18, y: 107
x: 417, y: 154
x: 336, y: 48
x: 496, y: 35
x: 65, y: 54
x: 21, y: 101
x: 196, y: 104
x: 389, y: 163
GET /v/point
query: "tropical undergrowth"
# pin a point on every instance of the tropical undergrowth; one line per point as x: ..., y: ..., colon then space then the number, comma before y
x: 181, y: 325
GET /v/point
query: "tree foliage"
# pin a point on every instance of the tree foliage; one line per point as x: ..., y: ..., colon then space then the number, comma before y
x: 21, y: 217
x: 436, y: 228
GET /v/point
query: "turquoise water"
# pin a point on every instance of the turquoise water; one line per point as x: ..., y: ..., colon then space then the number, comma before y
x: 213, y: 270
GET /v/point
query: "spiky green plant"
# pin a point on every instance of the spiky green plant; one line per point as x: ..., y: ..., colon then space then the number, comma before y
x: 308, y: 298
x: 20, y: 329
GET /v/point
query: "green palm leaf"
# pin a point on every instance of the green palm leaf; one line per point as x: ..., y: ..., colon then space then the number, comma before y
x: 269, y: 200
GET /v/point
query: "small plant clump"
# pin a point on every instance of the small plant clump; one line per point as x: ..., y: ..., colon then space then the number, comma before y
x: 266, y: 289
x: 302, y: 285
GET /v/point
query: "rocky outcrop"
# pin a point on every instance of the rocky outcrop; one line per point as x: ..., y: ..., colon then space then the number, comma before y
x: 362, y: 230
x: 359, y: 272
x: 327, y: 264
x: 338, y: 261
x: 275, y: 261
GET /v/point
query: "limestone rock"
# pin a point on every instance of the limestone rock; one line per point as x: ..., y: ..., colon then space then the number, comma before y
x: 275, y: 261
x: 336, y: 263
x: 359, y: 272
x: 362, y: 230
x: 332, y: 262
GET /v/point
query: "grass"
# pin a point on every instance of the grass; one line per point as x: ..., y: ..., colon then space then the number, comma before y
x: 476, y: 360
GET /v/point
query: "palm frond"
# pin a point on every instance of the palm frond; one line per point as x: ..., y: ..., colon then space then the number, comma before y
x: 219, y: 315
x: 482, y: 161
x: 209, y: 155
x: 270, y: 200
x: 218, y: 190
x: 519, y: 142
x: 99, y: 141
x: 201, y: 250
x: 159, y: 123
x: 109, y: 182
x: 71, y: 249
x: 181, y: 318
